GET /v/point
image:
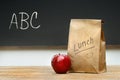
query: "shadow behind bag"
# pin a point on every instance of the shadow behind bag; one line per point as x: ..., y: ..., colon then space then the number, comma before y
x: 86, y: 46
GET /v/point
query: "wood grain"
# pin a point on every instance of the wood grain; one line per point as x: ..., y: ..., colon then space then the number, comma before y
x: 64, y: 47
x: 47, y: 73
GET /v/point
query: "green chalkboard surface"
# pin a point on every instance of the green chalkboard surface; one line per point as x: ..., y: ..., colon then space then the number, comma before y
x: 46, y: 22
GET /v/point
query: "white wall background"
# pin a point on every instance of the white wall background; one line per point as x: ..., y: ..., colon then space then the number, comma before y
x: 43, y: 57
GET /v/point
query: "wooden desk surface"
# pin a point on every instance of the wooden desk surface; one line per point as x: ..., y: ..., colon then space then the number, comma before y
x: 47, y: 73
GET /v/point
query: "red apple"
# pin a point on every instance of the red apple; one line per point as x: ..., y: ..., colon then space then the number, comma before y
x: 61, y: 63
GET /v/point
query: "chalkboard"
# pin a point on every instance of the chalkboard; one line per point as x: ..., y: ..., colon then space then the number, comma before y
x: 46, y: 22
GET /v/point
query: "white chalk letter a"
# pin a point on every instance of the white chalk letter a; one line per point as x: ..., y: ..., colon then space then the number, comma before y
x: 14, y: 22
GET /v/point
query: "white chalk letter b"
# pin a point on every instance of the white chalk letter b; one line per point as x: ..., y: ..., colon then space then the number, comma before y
x: 24, y: 20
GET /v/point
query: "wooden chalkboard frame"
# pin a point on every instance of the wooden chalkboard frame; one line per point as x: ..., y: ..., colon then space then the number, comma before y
x: 64, y: 47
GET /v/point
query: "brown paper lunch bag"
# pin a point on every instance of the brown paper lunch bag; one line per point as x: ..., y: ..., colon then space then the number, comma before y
x: 86, y: 46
